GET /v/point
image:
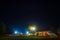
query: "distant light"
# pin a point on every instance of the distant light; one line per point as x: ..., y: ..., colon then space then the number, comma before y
x: 27, y: 32
x: 16, y: 32
x: 33, y: 28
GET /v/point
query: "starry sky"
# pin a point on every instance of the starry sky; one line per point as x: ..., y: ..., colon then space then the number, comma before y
x: 21, y: 13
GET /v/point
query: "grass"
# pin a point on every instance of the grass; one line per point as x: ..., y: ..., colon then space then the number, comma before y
x: 22, y: 38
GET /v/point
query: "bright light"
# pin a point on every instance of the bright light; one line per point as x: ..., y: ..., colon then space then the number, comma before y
x: 27, y: 32
x: 16, y: 32
x: 33, y: 28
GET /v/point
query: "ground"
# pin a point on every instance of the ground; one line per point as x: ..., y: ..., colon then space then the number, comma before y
x: 24, y: 38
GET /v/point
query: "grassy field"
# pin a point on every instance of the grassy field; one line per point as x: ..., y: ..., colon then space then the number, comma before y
x: 24, y: 38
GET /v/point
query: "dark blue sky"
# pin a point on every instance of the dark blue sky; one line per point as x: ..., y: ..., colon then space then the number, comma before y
x: 25, y: 12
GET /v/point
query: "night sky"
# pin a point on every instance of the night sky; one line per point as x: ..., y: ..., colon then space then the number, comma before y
x: 21, y: 13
